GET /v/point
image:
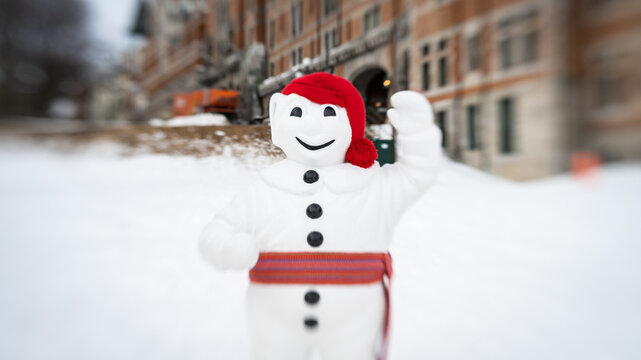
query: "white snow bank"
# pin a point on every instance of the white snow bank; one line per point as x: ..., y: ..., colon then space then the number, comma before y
x: 206, y: 119
x: 98, y: 260
x: 380, y: 131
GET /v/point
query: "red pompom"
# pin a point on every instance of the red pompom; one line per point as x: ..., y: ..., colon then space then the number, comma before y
x: 361, y: 153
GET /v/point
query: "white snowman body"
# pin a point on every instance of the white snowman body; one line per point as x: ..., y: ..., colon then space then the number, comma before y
x: 313, y: 201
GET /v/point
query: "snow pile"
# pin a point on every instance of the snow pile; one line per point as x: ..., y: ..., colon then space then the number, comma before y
x: 206, y: 119
x: 98, y: 260
x: 380, y: 131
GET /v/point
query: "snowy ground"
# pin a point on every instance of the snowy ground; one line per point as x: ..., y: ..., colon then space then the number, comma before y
x: 98, y: 260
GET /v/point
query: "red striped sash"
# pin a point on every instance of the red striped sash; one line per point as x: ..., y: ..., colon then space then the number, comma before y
x: 333, y: 268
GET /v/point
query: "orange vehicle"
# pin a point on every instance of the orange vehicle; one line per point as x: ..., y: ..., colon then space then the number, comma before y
x: 206, y: 101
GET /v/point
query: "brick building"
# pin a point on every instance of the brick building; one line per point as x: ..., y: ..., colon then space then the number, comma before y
x: 516, y: 85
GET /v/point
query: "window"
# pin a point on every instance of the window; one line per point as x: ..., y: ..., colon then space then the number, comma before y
x: 442, y: 45
x: 293, y: 22
x: 608, y: 81
x: 442, y: 71
x: 293, y: 57
x: 404, y: 74
x: 441, y: 119
x: 329, y: 6
x: 474, y: 52
x: 250, y: 36
x: 297, y: 18
x: 222, y: 9
x: 335, y: 40
x: 367, y: 22
x: 426, y: 49
x: 530, y: 41
x: 271, y: 34
x: 331, y: 39
x: 372, y: 18
x: 506, y: 53
x: 300, y: 17
x: 300, y: 54
x: 518, y: 39
x: 281, y: 24
x: 425, y: 75
x: 327, y: 44
x: 599, y: 3
x: 175, y: 42
x: 271, y: 69
x: 506, y: 126
x: 472, y: 112
x: 377, y: 17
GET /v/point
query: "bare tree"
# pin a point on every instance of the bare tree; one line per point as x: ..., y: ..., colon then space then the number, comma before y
x: 43, y: 54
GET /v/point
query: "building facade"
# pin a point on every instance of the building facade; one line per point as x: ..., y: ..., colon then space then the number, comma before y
x: 517, y: 85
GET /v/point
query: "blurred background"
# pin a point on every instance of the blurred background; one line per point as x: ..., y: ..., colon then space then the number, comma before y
x: 125, y: 125
x: 518, y: 87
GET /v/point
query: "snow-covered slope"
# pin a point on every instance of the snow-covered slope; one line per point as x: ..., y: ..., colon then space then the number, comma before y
x: 98, y: 260
x: 546, y: 270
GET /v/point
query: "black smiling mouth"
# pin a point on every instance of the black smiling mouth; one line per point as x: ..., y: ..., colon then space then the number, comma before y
x: 314, y: 147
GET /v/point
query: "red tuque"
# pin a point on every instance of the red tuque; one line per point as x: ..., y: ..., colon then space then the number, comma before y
x: 325, y: 88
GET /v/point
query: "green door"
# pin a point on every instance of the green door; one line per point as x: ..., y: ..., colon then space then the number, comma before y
x: 382, y: 135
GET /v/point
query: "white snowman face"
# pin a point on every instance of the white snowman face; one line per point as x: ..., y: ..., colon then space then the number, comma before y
x: 309, y: 133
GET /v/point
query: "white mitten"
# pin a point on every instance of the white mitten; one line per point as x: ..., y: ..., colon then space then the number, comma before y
x: 235, y: 251
x: 412, y: 112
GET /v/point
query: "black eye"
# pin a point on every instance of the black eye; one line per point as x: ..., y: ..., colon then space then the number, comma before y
x: 329, y: 111
x: 298, y: 112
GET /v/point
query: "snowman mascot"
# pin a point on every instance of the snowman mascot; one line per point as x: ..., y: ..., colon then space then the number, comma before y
x: 314, y: 230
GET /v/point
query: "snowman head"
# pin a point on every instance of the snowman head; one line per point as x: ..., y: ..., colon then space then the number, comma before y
x: 319, y: 120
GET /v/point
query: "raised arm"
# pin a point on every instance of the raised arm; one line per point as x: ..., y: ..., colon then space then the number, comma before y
x: 418, y: 145
x: 226, y: 242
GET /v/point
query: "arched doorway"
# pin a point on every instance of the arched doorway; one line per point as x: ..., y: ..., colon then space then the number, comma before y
x: 373, y: 85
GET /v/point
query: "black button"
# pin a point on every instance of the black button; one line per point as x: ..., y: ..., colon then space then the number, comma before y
x: 310, y: 176
x: 315, y: 239
x: 311, y: 323
x: 312, y: 297
x: 314, y: 211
